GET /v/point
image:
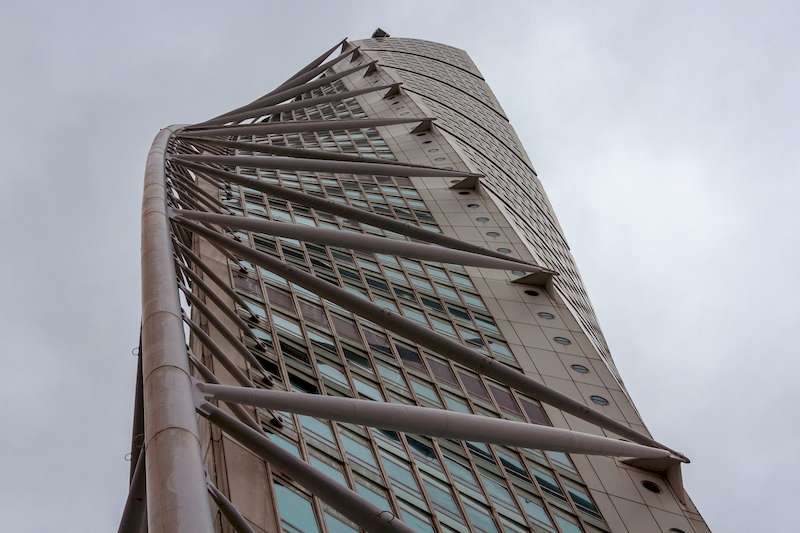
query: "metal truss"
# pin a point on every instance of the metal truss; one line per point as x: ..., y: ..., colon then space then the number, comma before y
x: 169, y: 490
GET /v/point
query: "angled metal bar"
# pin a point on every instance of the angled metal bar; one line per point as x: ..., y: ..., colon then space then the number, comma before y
x: 227, y: 333
x: 323, y: 165
x: 182, y: 176
x: 240, y: 525
x: 350, y: 213
x: 364, y: 514
x: 359, y: 241
x: 292, y: 152
x: 315, y: 63
x: 199, y: 199
x: 196, y: 261
x: 232, y: 314
x: 176, y: 498
x: 314, y: 72
x: 430, y: 339
x: 284, y: 95
x: 134, y: 514
x: 137, y: 432
x: 218, y: 354
x: 433, y: 422
x: 298, y: 126
x: 290, y: 106
x: 240, y: 412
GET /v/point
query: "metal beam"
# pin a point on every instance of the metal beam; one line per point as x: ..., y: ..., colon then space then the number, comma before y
x: 176, y: 498
x: 187, y: 252
x: 134, y: 514
x: 364, y: 514
x: 287, y: 94
x: 298, y: 126
x: 232, y: 314
x: 235, y: 408
x: 323, y: 165
x: 239, y: 523
x: 290, y: 106
x: 358, y: 241
x: 429, y: 339
x: 314, y: 72
x: 227, y: 333
x: 292, y: 152
x: 218, y: 354
x: 432, y: 422
x: 345, y: 211
x: 316, y: 62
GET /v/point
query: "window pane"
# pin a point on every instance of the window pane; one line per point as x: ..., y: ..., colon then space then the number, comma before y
x: 297, y: 515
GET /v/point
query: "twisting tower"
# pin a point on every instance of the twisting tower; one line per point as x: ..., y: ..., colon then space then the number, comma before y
x: 359, y: 312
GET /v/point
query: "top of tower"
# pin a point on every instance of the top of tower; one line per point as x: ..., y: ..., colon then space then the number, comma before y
x: 378, y: 33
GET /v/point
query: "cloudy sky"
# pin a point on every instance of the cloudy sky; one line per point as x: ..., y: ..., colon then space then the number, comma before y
x: 666, y: 135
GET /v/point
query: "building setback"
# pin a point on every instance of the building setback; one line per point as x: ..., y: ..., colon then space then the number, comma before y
x: 360, y: 313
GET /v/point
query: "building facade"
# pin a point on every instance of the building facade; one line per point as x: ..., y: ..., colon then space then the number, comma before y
x: 371, y: 235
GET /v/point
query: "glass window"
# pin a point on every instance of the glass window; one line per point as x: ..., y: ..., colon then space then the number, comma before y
x: 286, y: 324
x: 479, y: 516
x: 333, y: 373
x: 337, y: 525
x: 296, y: 512
x: 392, y: 374
x: 377, y: 341
x: 280, y: 298
x: 599, y: 400
x: 535, y: 412
x: 358, y: 449
x: 345, y: 327
x: 328, y: 467
x: 425, y: 391
x: 504, y: 399
x: 409, y: 356
x: 581, y: 497
x: 440, y: 495
x: 534, y: 508
x: 314, y: 313
x: 567, y: 524
x: 367, y: 390
x: 317, y: 428
x: 372, y: 493
x: 473, y: 385
x: 442, y: 371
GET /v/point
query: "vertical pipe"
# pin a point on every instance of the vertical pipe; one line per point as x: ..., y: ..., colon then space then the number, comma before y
x: 176, y: 489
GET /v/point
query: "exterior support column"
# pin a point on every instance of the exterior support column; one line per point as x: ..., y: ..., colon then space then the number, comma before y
x: 431, y: 340
x: 338, y: 496
x: 346, y: 211
x: 433, y: 422
x: 358, y: 241
x: 176, y: 494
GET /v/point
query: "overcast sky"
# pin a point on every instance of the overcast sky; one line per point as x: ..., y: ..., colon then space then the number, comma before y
x: 665, y: 134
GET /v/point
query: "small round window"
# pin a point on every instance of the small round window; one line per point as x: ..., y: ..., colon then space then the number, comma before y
x: 531, y: 292
x: 599, y: 400
x: 504, y: 250
x: 492, y: 234
x: 562, y: 340
x: 463, y: 193
x: 580, y: 369
x: 652, y: 486
x: 545, y: 315
x: 482, y: 219
x: 473, y: 206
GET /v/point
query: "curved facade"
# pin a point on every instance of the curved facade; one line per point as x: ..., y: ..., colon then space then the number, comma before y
x: 373, y: 233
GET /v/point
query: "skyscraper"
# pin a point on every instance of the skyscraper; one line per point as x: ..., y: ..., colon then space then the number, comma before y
x: 360, y: 312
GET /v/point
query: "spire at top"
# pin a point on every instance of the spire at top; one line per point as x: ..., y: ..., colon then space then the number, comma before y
x: 378, y: 33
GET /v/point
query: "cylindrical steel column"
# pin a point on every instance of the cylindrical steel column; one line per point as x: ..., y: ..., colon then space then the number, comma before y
x: 177, y: 500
